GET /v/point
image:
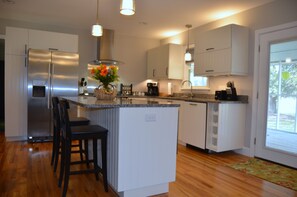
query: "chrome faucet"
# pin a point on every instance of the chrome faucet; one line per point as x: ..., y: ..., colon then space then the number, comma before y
x: 190, y: 86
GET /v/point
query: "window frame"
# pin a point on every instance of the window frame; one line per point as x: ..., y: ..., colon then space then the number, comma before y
x: 186, y: 86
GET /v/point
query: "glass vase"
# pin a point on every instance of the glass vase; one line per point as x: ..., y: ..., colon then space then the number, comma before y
x: 107, y: 92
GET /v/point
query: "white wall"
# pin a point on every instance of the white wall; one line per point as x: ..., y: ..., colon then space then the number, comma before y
x: 132, y: 51
x: 272, y: 14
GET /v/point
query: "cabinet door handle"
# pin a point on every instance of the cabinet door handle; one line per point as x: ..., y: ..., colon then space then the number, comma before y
x: 153, y: 72
x: 208, y: 71
x: 193, y: 104
x: 53, y: 49
x: 167, y: 71
x: 208, y: 49
x: 26, y: 56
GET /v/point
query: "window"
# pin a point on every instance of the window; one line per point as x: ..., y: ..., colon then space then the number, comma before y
x: 197, y: 81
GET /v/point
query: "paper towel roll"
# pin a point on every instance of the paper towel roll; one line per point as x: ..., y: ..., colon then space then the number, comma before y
x: 169, y: 89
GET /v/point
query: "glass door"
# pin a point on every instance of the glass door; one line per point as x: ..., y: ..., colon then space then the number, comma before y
x: 277, y: 102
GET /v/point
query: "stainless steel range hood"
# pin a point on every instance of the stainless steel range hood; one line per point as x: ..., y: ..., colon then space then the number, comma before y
x: 105, y: 49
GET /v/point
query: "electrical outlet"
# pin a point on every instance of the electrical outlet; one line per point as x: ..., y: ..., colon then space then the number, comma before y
x: 150, y: 118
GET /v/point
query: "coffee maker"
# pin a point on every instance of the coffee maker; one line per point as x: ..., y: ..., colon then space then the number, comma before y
x: 152, y: 89
x: 229, y: 94
x: 231, y: 91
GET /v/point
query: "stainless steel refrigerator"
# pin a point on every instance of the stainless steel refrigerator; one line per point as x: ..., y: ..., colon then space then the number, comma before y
x: 50, y: 73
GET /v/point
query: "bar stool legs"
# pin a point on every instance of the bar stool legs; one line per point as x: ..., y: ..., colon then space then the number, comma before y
x: 65, y: 166
x: 86, y: 132
x: 104, y: 159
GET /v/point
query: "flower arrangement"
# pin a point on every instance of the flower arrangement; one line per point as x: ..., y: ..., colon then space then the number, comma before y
x: 105, y: 74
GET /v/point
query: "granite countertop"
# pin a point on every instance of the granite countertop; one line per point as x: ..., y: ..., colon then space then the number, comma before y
x: 202, y: 98
x: 92, y: 102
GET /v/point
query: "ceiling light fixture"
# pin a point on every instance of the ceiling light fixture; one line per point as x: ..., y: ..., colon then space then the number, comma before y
x: 97, y: 29
x: 188, y: 56
x: 127, y: 7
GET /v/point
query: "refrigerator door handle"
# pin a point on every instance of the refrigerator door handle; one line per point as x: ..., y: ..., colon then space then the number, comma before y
x: 49, y: 87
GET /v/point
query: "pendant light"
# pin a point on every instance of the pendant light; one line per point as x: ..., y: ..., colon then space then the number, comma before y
x: 97, y: 29
x: 188, y: 56
x: 127, y: 7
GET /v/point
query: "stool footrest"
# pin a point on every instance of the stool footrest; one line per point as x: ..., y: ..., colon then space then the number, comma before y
x: 80, y: 162
x: 87, y: 171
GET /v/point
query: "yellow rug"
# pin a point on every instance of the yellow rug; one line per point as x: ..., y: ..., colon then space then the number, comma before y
x: 271, y: 172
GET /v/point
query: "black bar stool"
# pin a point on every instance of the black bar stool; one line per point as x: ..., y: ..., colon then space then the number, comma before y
x: 87, y: 132
x: 75, y: 121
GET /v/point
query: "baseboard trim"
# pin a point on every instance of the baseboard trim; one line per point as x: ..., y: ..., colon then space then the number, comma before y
x: 244, y: 151
x: 19, y: 138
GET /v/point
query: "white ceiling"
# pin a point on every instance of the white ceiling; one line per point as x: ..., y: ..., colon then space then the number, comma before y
x: 153, y: 18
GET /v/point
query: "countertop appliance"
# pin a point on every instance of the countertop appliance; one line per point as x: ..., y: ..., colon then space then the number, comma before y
x: 50, y: 73
x: 229, y: 94
x: 126, y: 89
x: 152, y: 89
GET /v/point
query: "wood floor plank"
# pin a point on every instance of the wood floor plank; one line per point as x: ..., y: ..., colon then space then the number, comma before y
x: 25, y: 170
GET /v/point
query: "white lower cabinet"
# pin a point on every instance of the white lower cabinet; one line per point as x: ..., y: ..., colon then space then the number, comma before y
x: 214, y: 126
x: 15, y: 97
x: 194, y: 124
x: 225, y: 126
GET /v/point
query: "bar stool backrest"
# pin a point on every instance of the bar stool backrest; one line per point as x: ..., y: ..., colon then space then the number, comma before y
x: 65, y: 123
x: 56, y: 114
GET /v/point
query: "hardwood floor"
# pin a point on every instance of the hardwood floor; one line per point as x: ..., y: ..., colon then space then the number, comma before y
x: 26, y: 171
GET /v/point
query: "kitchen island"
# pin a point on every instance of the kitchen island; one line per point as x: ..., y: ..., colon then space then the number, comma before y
x: 142, y: 142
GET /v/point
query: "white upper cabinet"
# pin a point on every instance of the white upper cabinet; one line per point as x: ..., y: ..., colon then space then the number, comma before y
x: 222, y: 51
x: 165, y: 62
x: 52, y: 40
x: 16, y: 40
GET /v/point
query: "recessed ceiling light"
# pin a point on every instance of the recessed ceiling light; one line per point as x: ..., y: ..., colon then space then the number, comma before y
x: 143, y: 23
x: 8, y: 1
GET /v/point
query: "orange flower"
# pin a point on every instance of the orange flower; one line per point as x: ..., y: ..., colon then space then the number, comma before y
x: 93, y: 71
x: 104, y: 72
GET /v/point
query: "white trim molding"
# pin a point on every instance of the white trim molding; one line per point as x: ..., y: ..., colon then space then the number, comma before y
x: 258, y: 33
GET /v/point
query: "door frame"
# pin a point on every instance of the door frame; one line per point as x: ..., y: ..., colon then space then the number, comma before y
x: 254, y: 118
x: 2, y: 37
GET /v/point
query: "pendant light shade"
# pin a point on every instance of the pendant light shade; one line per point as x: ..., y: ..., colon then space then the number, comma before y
x: 188, y: 56
x: 127, y: 7
x: 97, y: 30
